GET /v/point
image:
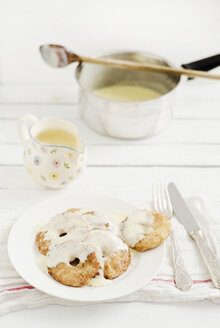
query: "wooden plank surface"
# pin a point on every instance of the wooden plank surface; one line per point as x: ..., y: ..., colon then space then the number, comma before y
x: 133, y: 155
x: 18, y: 191
x: 180, y: 131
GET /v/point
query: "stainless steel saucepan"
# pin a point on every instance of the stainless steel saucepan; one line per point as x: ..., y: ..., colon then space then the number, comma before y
x: 130, y: 119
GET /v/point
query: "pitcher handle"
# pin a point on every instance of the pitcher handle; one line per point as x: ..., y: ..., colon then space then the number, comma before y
x: 24, y: 124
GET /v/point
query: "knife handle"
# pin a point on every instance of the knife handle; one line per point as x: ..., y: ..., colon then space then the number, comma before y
x: 208, y: 256
x: 182, y: 277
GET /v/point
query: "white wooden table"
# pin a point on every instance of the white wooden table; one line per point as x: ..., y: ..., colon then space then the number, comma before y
x: 187, y: 152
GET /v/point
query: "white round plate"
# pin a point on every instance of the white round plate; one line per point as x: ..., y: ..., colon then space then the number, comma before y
x: 23, y: 252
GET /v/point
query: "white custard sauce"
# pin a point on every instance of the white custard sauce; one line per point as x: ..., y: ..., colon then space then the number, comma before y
x: 105, y: 243
x: 67, y: 252
x: 64, y: 227
x: 42, y: 262
x: 136, y: 226
x: 99, y: 281
x: 83, y: 233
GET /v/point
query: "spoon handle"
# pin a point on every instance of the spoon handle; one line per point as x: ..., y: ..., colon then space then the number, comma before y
x: 146, y: 67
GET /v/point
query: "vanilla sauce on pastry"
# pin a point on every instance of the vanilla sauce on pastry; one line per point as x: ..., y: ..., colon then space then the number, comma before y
x: 75, y: 226
x: 67, y: 252
x: 105, y: 243
x: 136, y: 225
x: 64, y: 227
x: 100, y: 221
x: 99, y: 281
x: 42, y: 263
x: 96, y: 229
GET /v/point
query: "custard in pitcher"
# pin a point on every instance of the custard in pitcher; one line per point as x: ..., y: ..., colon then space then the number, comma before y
x: 57, y: 137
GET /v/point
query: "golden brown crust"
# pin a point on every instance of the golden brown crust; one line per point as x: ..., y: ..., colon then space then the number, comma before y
x: 117, y: 263
x: 90, y: 212
x: 161, y: 230
x: 73, y: 210
x: 42, y: 244
x: 78, y: 275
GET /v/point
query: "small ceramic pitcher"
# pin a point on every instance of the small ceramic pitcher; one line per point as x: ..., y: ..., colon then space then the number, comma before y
x: 51, y: 166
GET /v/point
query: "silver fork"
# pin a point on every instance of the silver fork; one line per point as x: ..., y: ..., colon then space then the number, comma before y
x: 163, y: 205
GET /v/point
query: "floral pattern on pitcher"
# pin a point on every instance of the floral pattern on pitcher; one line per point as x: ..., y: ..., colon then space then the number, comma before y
x: 50, y: 166
x: 52, y: 171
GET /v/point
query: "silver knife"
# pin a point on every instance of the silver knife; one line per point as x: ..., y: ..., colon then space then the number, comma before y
x: 184, y: 215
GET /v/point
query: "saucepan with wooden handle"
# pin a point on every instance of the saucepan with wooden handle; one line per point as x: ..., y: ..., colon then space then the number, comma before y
x: 127, y: 94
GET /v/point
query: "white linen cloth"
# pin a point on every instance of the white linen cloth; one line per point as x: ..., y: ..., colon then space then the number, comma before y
x: 16, y: 294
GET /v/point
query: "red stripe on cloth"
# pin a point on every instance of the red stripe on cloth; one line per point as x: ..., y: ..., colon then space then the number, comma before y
x: 16, y: 289
x: 163, y: 280
x: 174, y: 282
x: 155, y: 279
x: 201, y: 281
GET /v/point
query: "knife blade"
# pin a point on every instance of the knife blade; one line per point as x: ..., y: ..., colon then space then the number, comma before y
x: 181, y: 210
x: 184, y: 215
